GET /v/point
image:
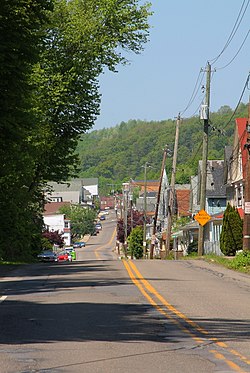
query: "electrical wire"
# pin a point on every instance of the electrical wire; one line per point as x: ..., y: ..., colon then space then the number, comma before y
x: 233, y: 32
x: 243, y: 91
x: 229, y: 63
x: 195, y: 91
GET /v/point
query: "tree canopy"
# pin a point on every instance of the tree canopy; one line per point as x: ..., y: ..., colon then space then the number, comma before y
x: 52, y: 53
x: 116, y: 154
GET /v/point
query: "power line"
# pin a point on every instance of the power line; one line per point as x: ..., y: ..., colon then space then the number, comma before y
x: 242, y: 93
x: 233, y: 32
x: 195, y: 91
x: 229, y: 63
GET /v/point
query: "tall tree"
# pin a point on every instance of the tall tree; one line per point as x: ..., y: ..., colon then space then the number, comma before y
x: 21, y: 24
x: 51, y: 54
x: 231, y: 238
x: 83, y: 38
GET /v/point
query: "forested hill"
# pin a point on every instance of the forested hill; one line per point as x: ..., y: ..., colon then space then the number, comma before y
x: 116, y: 154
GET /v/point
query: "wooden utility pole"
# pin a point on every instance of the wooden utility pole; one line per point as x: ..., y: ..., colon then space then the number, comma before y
x: 172, y: 187
x: 157, y: 205
x: 125, y: 219
x: 145, y: 211
x: 246, y: 221
x: 205, y: 117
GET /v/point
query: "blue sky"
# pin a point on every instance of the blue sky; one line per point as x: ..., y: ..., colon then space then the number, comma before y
x: 159, y: 83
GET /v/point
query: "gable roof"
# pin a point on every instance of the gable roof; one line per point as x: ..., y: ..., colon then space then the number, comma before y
x: 215, y: 178
x: 52, y: 208
x: 152, y: 185
x: 73, y: 185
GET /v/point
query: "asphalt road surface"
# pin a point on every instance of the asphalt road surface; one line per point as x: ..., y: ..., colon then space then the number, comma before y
x: 104, y: 314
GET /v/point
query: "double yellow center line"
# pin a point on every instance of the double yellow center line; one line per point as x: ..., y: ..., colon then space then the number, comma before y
x: 179, y: 319
x: 104, y: 246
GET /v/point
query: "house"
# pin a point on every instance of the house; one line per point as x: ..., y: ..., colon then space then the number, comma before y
x: 235, y: 170
x: 75, y: 191
x: 54, y: 220
x: 182, y: 195
x: 107, y: 202
x: 152, y: 198
x: 215, y: 204
x: 216, y: 199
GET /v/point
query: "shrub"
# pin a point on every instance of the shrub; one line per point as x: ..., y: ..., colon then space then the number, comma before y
x: 231, y: 238
x: 136, y: 242
x: 241, y: 260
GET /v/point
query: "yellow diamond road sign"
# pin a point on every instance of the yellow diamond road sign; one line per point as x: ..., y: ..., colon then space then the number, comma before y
x: 202, y: 217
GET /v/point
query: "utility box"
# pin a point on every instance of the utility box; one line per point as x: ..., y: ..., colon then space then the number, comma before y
x: 204, y: 112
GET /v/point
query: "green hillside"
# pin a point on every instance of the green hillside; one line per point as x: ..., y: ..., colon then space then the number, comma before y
x: 115, y: 155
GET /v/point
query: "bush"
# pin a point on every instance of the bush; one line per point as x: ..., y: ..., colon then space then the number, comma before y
x: 192, y: 247
x: 241, y: 260
x: 136, y: 243
x: 231, y: 238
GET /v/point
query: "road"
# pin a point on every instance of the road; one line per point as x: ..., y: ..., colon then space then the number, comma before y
x: 103, y: 314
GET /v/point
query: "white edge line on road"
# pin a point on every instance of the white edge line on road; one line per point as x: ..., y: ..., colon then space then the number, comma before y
x: 3, y: 298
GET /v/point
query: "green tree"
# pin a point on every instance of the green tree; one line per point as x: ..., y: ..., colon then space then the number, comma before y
x: 82, y: 220
x: 21, y: 32
x: 84, y: 37
x: 136, y: 242
x: 231, y: 238
x: 52, y: 53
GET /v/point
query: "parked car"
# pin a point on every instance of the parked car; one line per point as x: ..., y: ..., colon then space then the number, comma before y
x: 47, y: 256
x: 71, y: 252
x: 79, y: 244
x: 104, y: 212
x: 98, y: 227
x: 64, y: 256
x: 102, y: 217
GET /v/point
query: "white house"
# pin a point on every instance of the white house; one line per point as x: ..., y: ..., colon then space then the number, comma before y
x: 56, y: 221
x: 75, y: 191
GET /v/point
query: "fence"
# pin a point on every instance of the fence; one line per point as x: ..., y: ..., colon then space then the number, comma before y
x: 212, y: 248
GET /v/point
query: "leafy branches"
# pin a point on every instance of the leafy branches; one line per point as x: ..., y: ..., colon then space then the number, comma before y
x: 51, y: 54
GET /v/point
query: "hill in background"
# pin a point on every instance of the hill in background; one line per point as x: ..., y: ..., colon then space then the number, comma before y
x: 118, y: 154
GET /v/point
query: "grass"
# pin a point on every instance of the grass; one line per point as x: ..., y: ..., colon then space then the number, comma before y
x: 240, y: 262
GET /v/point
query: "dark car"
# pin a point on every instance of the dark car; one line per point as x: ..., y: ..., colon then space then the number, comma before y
x: 47, y: 256
x: 79, y: 244
x: 98, y: 227
x: 102, y: 217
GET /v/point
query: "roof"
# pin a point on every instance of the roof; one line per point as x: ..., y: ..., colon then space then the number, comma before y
x: 73, y: 185
x: 52, y: 208
x: 220, y: 215
x: 152, y: 185
x: 215, y: 178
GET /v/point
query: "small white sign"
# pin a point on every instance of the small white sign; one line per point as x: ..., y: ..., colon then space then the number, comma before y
x: 247, y: 207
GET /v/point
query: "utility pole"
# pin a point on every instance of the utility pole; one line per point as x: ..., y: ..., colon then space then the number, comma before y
x: 172, y: 187
x: 125, y: 222
x: 145, y: 211
x: 246, y: 221
x: 157, y: 204
x: 205, y: 117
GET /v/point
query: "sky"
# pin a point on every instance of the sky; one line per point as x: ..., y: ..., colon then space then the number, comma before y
x: 159, y: 83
